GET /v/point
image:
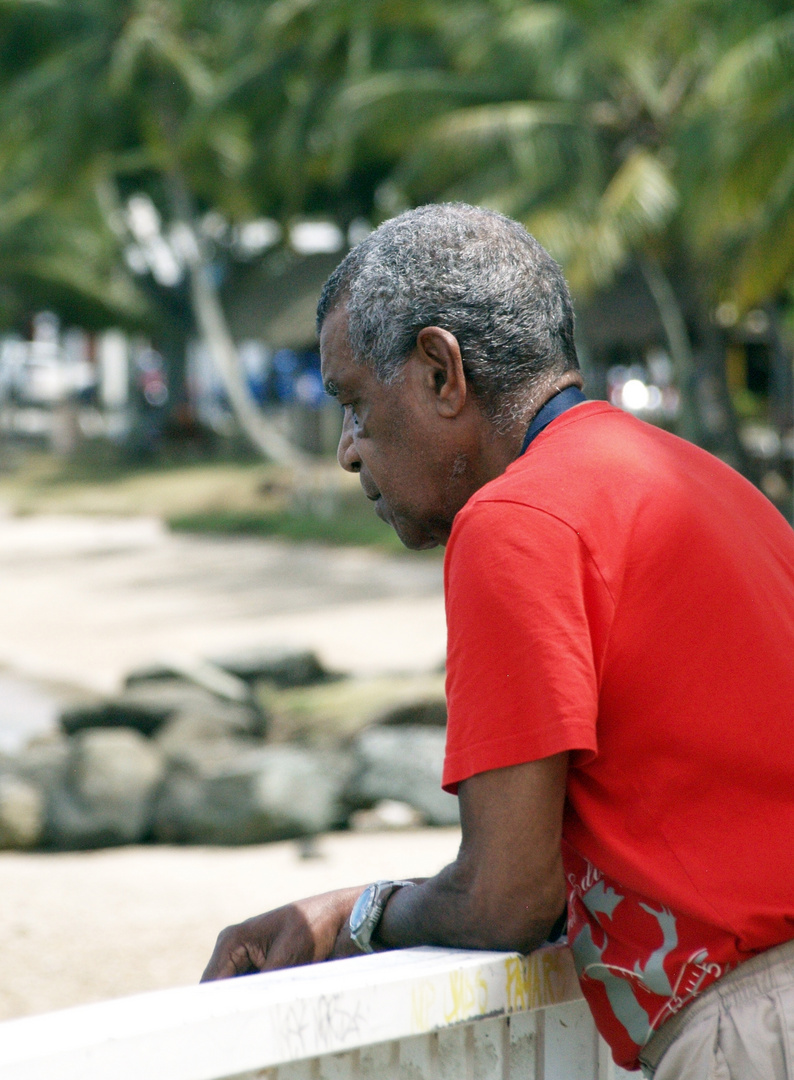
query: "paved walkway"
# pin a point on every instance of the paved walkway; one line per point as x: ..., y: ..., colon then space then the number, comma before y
x: 87, y: 599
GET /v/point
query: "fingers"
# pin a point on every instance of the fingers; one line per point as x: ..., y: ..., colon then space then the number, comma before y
x: 281, y: 938
x: 232, y: 956
x: 301, y: 933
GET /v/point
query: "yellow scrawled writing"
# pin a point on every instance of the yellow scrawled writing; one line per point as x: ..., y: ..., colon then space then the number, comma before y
x: 468, y: 996
x: 533, y: 981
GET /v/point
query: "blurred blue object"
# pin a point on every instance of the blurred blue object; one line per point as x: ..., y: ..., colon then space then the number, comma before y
x: 285, y: 366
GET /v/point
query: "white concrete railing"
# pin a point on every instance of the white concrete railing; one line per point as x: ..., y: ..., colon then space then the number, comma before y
x: 418, y: 1014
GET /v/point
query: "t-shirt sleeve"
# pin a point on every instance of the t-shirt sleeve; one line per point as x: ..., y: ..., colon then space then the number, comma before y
x: 528, y: 615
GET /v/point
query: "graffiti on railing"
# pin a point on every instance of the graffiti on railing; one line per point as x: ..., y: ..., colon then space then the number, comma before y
x: 459, y: 996
x: 538, y: 980
x: 423, y: 998
x: 468, y: 996
x: 308, y: 1027
x: 544, y: 978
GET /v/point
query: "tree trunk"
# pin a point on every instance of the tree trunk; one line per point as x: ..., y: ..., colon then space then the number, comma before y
x: 714, y: 349
x: 214, y: 330
x: 690, y: 425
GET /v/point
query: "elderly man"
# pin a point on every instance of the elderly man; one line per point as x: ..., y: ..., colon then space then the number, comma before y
x: 620, y: 675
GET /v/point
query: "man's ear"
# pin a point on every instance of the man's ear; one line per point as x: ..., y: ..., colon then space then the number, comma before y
x: 440, y: 352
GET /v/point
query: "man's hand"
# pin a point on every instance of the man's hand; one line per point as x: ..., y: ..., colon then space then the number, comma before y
x: 300, y: 933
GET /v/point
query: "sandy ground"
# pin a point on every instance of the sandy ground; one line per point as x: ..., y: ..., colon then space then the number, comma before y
x: 84, y: 927
x: 84, y: 600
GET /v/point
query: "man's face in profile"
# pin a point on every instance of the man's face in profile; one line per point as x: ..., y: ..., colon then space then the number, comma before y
x: 389, y: 437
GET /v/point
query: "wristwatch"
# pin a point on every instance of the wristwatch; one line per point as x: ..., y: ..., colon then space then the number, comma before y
x: 366, y: 913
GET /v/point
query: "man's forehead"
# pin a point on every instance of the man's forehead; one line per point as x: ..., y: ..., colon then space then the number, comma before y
x: 340, y: 372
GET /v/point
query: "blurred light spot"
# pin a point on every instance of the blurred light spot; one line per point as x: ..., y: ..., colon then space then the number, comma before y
x: 727, y: 314
x: 254, y: 237
x: 316, y: 237
x: 634, y: 395
x: 757, y: 322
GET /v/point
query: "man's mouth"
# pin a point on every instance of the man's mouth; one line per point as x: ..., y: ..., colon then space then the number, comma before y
x: 380, y: 506
x: 375, y: 497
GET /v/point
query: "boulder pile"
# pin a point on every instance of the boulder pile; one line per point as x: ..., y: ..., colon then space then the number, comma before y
x: 236, y: 750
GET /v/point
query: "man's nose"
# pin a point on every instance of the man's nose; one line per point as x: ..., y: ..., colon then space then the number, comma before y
x: 346, y: 453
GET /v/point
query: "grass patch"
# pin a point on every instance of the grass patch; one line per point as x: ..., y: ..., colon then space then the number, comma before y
x: 222, y: 498
x: 44, y: 485
x: 347, y: 524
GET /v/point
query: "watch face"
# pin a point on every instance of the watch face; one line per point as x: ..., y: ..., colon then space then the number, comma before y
x: 361, y: 908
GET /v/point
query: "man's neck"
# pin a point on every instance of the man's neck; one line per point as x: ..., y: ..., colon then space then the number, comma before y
x: 486, y: 451
x: 502, y: 448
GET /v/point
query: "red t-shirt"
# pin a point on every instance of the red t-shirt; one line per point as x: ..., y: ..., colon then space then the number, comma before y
x: 623, y: 595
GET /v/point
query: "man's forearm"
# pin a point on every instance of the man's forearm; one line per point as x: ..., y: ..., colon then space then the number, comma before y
x: 505, y: 890
x: 454, y: 910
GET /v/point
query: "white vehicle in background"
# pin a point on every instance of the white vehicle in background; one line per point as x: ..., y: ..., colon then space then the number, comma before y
x: 46, y: 376
x: 41, y: 372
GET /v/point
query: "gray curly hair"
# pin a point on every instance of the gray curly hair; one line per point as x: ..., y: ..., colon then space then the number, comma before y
x: 473, y: 272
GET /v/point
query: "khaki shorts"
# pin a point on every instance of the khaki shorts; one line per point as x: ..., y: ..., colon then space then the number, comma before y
x: 741, y: 1028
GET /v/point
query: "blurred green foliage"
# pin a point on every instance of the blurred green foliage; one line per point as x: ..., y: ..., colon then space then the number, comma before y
x: 651, y: 133
x: 663, y: 127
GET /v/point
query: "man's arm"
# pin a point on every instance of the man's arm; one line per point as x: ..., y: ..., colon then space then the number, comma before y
x: 505, y: 889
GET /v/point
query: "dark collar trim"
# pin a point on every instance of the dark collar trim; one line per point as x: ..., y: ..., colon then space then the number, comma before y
x: 554, y: 407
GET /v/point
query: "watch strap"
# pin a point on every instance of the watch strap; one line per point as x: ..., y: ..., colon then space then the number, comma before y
x: 363, y: 924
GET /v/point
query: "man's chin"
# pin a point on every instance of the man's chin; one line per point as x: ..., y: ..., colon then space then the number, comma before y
x: 410, y: 535
x: 417, y: 545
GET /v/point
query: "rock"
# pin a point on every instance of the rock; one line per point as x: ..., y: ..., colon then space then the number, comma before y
x: 204, y: 673
x: 431, y: 712
x: 205, y: 757
x: 281, y: 667
x: 341, y: 709
x: 271, y: 793
x: 182, y: 732
x: 108, y: 792
x: 42, y: 762
x: 146, y: 706
x: 386, y: 815
x: 22, y: 810
x: 403, y: 763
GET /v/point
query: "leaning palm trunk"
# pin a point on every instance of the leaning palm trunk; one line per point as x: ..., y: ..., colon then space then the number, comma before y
x: 217, y: 339
x: 677, y: 335
x: 691, y: 424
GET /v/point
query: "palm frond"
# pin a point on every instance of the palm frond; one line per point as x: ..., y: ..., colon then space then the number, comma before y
x: 510, y: 119
x: 637, y: 204
x: 754, y: 65
x: 395, y: 87
x: 540, y: 27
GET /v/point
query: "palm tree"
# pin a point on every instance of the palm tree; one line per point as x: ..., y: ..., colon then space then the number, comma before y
x: 138, y: 94
x: 590, y: 123
x: 749, y: 216
x: 55, y: 244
